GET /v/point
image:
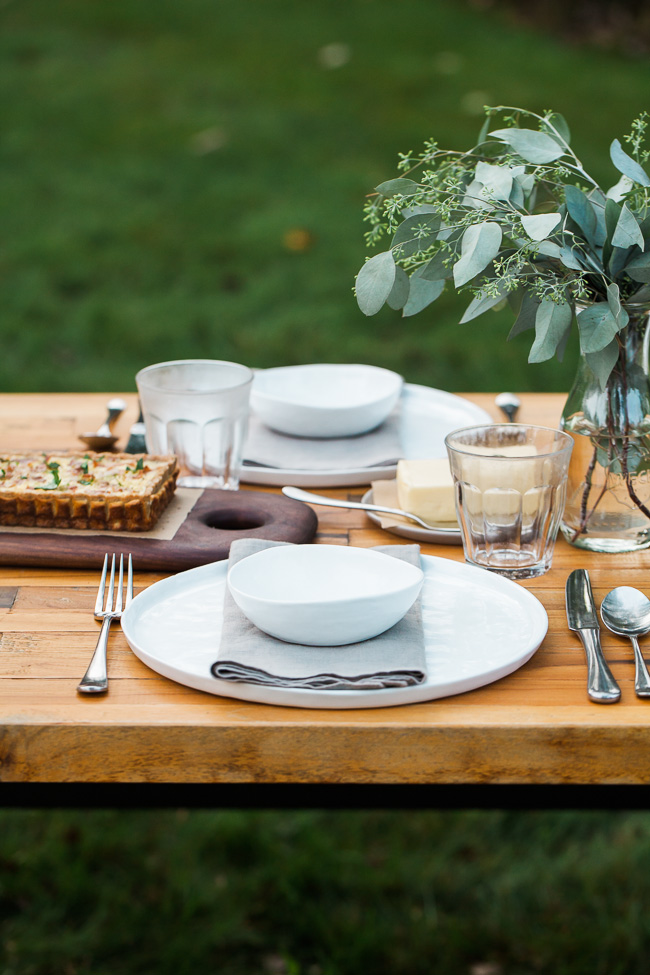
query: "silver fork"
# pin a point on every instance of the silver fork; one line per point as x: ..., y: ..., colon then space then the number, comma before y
x: 95, y: 680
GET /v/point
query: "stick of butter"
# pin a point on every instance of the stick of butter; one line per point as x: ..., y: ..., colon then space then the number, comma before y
x: 426, y: 488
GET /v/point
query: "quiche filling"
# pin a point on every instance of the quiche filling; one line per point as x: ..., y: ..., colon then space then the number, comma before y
x: 101, y: 491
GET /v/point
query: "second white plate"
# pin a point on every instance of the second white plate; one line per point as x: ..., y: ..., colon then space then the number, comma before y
x: 427, y: 415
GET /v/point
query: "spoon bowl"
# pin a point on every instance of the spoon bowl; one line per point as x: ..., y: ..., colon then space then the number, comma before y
x: 104, y: 438
x: 509, y: 404
x: 626, y: 612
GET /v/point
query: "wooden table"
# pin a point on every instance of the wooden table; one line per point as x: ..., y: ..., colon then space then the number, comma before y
x: 533, y: 728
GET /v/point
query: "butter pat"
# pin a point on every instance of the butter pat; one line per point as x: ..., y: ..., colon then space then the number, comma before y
x: 426, y: 488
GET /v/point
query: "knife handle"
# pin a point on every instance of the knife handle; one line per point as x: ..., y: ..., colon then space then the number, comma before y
x: 601, y: 686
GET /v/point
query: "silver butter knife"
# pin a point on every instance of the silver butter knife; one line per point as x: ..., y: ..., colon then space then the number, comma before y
x: 581, y: 616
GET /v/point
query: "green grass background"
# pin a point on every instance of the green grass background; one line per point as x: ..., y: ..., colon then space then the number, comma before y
x: 324, y: 893
x: 156, y: 159
x: 156, y: 154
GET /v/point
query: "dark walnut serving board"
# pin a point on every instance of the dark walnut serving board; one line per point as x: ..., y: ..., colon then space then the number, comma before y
x: 216, y: 520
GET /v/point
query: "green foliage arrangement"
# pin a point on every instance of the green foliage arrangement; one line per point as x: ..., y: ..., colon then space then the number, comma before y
x: 518, y: 219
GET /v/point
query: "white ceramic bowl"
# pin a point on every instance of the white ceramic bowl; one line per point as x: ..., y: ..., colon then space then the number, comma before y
x: 325, y: 400
x: 323, y: 595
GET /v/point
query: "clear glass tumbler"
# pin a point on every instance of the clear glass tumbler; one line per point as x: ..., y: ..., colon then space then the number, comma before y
x: 510, y: 482
x: 198, y: 409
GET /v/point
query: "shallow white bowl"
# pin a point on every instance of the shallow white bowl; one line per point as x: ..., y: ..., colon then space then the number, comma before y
x: 323, y: 595
x: 325, y: 400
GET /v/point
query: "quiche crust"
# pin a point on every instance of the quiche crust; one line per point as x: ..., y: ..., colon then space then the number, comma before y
x: 104, y: 492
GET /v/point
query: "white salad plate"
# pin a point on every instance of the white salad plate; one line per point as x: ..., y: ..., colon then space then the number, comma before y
x: 478, y: 627
x: 427, y: 415
x: 443, y: 533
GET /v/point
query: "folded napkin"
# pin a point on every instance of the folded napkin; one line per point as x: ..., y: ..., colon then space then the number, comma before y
x: 268, y: 448
x: 395, y: 658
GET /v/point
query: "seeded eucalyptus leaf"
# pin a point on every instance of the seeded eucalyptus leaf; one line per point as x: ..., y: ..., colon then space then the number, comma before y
x: 598, y: 200
x: 436, y: 269
x: 526, y: 318
x: 570, y: 259
x: 640, y: 297
x: 422, y: 292
x: 562, y: 344
x: 480, y: 245
x: 627, y: 232
x: 420, y: 208
x: 485, y: 128
x: 618, y: 260
x: 626, y: 165
x: 639, y: 268
x: 533, y: 146
x: 615, y: 306
x: 597, y: 327
x: 475, y: 196
x: 416, y: 234
x: 526, y: 181
x: 375, y: 282
x: 401, y: 186
x: 620, y: 189
x: 581, y: 211
x: 548, y: 248
x: 602, y: 362
x: 517, y: 198
x: 477, y: 306
x: 552, y: 321
x: 400, y: 290
x: 497, y: 180
x: 558, y: 129
x: 539, y: 226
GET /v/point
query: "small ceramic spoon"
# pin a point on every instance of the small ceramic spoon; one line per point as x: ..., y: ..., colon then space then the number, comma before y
x: 104, y: 438
x: 626, y: 611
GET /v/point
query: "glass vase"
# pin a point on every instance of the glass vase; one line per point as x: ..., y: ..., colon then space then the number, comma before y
x: 608, y: 493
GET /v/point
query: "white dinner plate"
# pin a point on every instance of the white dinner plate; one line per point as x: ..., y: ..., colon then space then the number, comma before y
x: 442, y: 534
x: 427, y: 415
x: 478, y: 627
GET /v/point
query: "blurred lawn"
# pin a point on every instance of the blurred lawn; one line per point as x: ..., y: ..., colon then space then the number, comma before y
x: 181, y: 179
x: 321, y: 893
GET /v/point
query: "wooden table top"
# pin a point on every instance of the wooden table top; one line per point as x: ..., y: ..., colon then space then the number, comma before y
x: 536, y: 726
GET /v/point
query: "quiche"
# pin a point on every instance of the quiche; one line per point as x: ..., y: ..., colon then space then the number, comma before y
x: 106, y: 492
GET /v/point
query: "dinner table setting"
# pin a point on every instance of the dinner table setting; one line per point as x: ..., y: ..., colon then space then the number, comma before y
x: 307, y: 577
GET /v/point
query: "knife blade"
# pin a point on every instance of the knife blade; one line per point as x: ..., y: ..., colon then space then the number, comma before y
x: 582, y: 619
x: 136, y: 443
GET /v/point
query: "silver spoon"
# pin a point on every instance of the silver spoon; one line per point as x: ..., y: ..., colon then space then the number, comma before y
x: 298, y: 495
x: 509, y: 404
x: 626, y: 611
x: 104, y: 438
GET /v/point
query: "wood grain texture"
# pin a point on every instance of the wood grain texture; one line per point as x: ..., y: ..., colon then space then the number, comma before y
x: 215, y: 521
x: 535, y: 726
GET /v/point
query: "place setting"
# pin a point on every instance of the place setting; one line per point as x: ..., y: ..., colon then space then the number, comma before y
x: 460, y: 628
x: 269, y: 617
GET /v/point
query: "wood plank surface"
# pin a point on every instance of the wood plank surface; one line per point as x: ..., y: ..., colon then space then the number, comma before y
x: 535, y: 726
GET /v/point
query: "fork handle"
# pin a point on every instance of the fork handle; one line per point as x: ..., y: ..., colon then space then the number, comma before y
x: 95, y: 680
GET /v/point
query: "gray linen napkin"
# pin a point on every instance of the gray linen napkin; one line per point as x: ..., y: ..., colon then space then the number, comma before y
x: 268, y: 448
x: 395, y: 658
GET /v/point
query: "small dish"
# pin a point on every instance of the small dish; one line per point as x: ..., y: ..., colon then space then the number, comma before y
x: 443, y: 533
x: 323, y: 595
x: 325, y: 400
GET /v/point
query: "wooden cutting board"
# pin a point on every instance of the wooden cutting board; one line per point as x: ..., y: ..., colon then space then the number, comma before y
x: 216, y: 520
